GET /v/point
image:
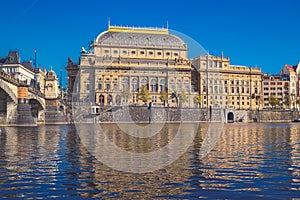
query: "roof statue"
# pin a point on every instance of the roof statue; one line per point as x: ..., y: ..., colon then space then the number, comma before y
x: 91, y: 47
x: 83, y: 51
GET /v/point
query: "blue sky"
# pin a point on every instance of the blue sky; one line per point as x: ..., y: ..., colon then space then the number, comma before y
x: 260, y: 33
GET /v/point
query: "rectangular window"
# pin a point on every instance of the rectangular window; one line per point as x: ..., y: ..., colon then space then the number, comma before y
x: 215, y: 64
x: 124, y: 52
x: 175, y: 54
x: 99, y: 86
x: 150, y: 53
x: 133, y: 52
x: 107, y: 86
x: 142, y: 52
x: 210, y: 64
x: 159, y: 53
x: 116, y: 87
x: 220, y: 64
x: 106, y: 51
x: 115, y: 51
x: 168, y: 54
x: 87, y: 86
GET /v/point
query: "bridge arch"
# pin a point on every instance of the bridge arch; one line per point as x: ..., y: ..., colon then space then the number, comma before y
x: 38, y: 99
x: 37, y: 110
x: 8, y: 91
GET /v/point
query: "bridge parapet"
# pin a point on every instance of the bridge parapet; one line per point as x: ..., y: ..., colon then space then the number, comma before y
x: 9, y: 78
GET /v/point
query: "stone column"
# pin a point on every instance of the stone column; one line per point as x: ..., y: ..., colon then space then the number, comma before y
x: 23, y: 108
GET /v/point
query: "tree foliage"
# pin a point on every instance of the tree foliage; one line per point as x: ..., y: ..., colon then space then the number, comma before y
x: 198, y: 99
x: 273, y: 101
x: 183, y: 98
x: 143, y: 94
x: 163, y: 96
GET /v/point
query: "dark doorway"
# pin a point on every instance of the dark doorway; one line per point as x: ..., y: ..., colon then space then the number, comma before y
x: 230, y: 117
x: 101, y: 99
x: 109, y: 99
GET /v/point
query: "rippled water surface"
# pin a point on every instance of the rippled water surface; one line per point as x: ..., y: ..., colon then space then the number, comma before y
x: 248, y: 161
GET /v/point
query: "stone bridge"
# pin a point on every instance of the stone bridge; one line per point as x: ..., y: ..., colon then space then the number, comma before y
x: 14, y: 92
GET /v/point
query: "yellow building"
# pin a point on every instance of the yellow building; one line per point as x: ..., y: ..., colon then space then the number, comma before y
x: 223, y: 84
x: 123, y: 60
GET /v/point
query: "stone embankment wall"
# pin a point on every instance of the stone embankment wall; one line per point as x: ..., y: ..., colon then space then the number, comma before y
x: 273, y: 115
x: 142, y: 114
x: 155, y: 114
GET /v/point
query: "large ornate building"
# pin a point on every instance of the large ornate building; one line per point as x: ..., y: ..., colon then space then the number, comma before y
x: 123, y: 60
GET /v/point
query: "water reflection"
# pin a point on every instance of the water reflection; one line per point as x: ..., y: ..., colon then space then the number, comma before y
x: 249, y: 160
x: 254, y: 160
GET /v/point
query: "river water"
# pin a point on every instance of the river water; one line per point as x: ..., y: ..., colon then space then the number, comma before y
x: 248, y: 161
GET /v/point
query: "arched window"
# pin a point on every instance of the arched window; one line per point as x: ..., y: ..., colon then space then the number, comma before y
x: 153, y: 85
x: 144, y: 82
x: 134, y: 85
x: 125, y: 84
x: 162, y: 85
x: 118, y: 100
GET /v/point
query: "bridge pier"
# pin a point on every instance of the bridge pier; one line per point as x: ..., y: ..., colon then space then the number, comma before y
x: 11, y: 112
x: 24, y: 116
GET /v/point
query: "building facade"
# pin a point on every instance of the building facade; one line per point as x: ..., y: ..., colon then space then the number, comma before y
x: 283, y: 87
x: 223, y: 84
x: 123, y: 61
x: 276, y: 86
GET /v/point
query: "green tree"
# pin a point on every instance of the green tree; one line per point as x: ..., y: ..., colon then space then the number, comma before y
x: 164, y: 96
x: 273, y: 101
x: 183, y: 98
x: 143, y: 94
x: 198, y: 100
